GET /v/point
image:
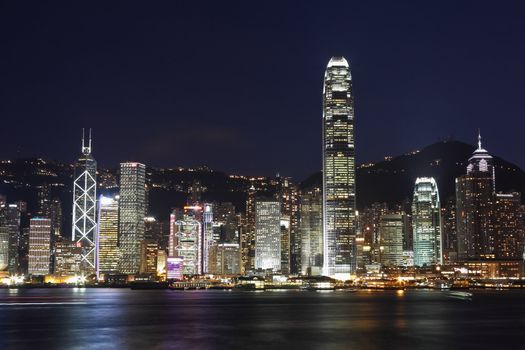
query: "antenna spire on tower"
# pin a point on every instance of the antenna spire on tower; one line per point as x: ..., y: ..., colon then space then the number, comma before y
x: 82, y: 139
x: 89, y: 140
x: 479, y: 139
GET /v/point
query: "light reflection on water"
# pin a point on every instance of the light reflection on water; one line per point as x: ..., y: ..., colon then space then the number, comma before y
x: 122, y: 318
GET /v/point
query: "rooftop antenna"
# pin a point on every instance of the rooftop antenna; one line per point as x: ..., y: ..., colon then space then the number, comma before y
x: 479, y: 139
x: 89, y: 140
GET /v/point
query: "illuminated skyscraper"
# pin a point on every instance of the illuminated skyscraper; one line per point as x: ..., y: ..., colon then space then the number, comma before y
x: 391, y: 239
x: 474, y: 194
x: 39, y: 246
x: 187, y: 243
x: 311, y: 229
x: 84, y: 206
x: 426, y: 222
x: 268, y: 234
x: 107, y: 245
x: 207, y: 234
x: 132, y: 210
x: 339, y: 202
x: 507, y: 226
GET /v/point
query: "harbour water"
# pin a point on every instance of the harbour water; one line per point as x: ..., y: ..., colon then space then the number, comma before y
x: 91, y: 318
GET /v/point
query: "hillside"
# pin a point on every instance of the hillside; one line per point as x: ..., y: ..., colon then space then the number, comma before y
x: 392, y: 180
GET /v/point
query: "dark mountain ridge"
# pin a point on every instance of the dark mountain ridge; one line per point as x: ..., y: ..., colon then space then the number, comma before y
x: 392, y: 180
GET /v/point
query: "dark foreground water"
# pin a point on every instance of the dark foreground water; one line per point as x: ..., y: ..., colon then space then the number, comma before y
x: 163, y: 319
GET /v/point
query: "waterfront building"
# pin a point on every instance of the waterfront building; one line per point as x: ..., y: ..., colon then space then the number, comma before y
x: 186, y: 240
x: 507, y: 226
x: 39, y: 246
x: 149, y: 250
x: 391, y: 240
x: 285, y: 244
x: 11, y: 225
x: 474, y: 195
x: 311, y: 230
x: 9, y: 237
x: 268, y: 234
x: 449, y: 220
x: 68, y: 258
x: 108, y: 255
x: 426, y: 222
x: 225, y: 259
x: 207, y: 234
x: 132, y: 210
x: 247, y: 234
x: 84, y: 206
x: 339, y: 199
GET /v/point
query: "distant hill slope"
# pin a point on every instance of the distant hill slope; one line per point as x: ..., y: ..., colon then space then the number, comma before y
x: 392, y: 180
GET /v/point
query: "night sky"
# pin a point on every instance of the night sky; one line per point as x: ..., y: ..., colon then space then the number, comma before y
x: 237, y: 85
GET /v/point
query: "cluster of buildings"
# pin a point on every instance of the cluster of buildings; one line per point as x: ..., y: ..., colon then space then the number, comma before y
x: 313, y: 230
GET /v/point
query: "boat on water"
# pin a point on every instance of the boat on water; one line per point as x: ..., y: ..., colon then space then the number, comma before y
x: 460, y: 294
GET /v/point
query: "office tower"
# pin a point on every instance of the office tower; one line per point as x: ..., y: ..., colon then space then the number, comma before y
x: 474, y: 194
x: 508, y: 226
x: 225, y: 259
x: 187, y: 243
x: 157, y: 230
x: 84, y: 206
x: 43, y: 200
x: 10, y: 227
x: 391, y: 239
x: 132, y: 210
x: 225, y: 223
x: 339, y: 204
x: 287, y: 194
x: 369, y: 223
x: 149, y: 250
x: 39, y: 246
x: 55, y: 214
x: 268, y: 234
x: 311, y: 229
x: 108, y: 254
x: 68, y: 258
x: 207, y: 235
x: 426, y: 222
x: 285, y: 244
x: 4, y: 239
x: 448, y: 215
x: 247, y: 237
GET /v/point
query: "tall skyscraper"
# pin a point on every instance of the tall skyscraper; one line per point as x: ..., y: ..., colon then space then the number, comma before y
x: 187, y: 242
x: 207, y: 234
x: 12, y: 226
x: 391, y: 239
x: 426, y: 222
x: 132, y: 210
x: 84, y: 206
x: 39, y: 246
x: 474, y: 194
x: 108, y: 254
x: 339, y: 199
x: 268, y: 234
x: 508, y: 226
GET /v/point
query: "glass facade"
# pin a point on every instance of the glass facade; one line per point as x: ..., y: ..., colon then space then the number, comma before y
x: 391, y: 239
x: 339, y: 202
x: 132, y: 210
x: 39, y: 246
x: 108, y: 252
x: 311, y: 229
x: 426, y: 223
x: 84, y: 207
x: 268, y: 234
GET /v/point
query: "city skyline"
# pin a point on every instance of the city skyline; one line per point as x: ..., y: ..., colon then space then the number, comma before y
x: 422, y: 75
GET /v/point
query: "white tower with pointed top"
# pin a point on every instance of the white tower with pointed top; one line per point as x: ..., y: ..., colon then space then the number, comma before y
x: 339, y: 197
x: 84, y: 206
